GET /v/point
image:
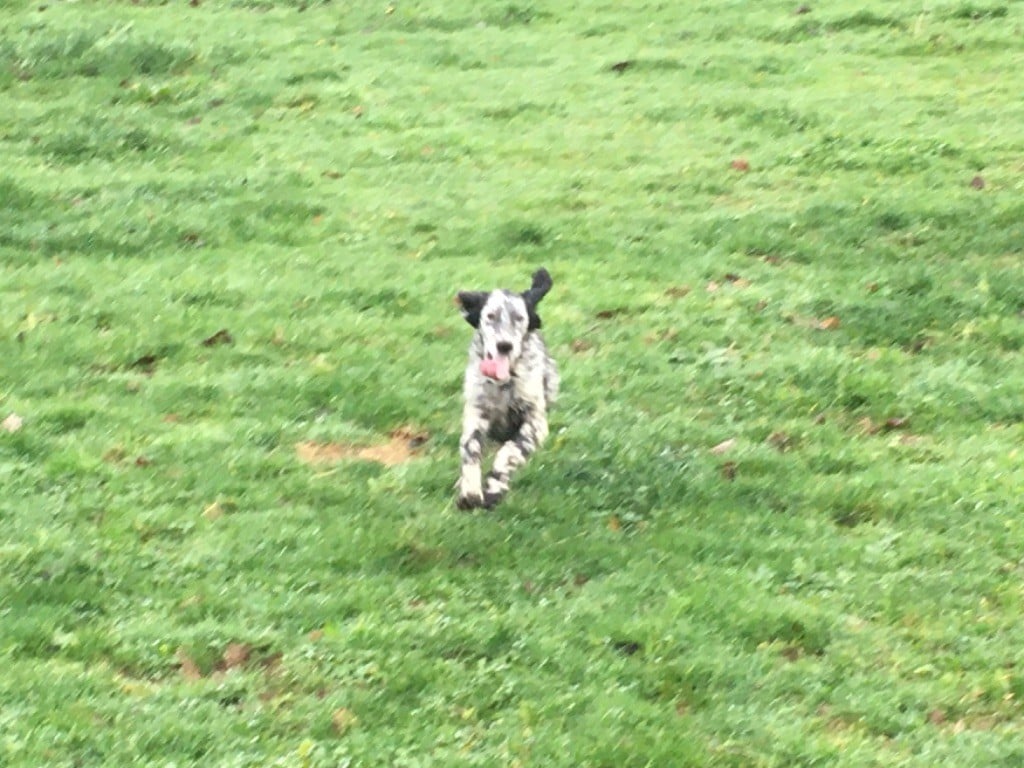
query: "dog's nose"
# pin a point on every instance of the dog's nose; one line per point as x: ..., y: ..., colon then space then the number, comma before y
x: 504, y: 347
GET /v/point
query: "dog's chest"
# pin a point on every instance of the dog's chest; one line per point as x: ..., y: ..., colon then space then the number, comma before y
x: 505, y: 409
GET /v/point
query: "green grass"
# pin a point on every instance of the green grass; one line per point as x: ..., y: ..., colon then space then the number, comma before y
x: 840, y: 587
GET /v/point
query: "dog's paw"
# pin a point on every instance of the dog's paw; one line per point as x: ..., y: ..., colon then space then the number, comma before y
x: 491, y: 500
x: 469, y: 501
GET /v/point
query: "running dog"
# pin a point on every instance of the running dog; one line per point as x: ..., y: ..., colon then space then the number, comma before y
x: 511, y: 381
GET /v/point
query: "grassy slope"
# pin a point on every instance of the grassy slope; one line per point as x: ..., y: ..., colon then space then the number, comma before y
x: 319, y: 182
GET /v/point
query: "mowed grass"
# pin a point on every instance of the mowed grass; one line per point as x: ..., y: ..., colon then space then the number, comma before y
x: 778, y: 519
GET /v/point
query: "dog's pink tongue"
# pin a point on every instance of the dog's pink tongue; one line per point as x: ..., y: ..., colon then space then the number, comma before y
x: 495, y: 368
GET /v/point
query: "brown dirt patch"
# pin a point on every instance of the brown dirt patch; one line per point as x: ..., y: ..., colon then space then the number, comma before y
x: 402, y: 446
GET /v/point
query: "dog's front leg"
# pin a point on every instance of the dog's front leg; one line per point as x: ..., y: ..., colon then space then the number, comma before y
x: 512, y: 455
x: 471, y: 446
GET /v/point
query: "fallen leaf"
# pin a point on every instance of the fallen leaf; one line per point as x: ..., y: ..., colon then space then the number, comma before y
x: 213, y: 511
x: 936, y: 717
x: 235, y: 655
x: 761, y: 305
x: 608, y: 314
x: 896, y: 422
x: 315, y: 635
x: 357, y: 111
x: 342, y: 720
x: 867, y: 426
x: 678, y: 291
x: 142, y: 461
x: 978, y: 182
x: 829, y: 324
x: 780, y: 441
x: 195, y: 120
x: 189, y: 669
x: 223, y: 336
x: 872, y: 287
x: 332, y: 174
x: 791, y: 652
x: 736, y: 280
x: 724, y: 447
x: 712, y: 286
x: 729, y: 470
x: 580, y: 579
x: 802, y: 9
x: 740, y: 164
x: 12, y: 423
x: 621, y: 66
x: 171, y: 418
x: 614, y: 525
x: 580, y: 345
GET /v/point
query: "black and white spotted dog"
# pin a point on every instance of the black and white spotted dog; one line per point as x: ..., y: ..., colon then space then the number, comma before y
x: 510, y: 382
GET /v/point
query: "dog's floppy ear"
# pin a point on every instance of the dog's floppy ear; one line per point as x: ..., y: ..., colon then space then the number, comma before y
x: 471, y: 303
x: 537, y: 291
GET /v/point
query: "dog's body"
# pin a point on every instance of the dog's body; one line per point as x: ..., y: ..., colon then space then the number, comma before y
x: 510, y: 382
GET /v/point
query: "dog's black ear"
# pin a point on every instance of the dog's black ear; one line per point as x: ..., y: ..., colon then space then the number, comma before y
x: 537, y: 291
x: 471, y: 303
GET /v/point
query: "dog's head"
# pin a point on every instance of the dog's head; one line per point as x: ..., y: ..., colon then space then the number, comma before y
x: 503, y: 319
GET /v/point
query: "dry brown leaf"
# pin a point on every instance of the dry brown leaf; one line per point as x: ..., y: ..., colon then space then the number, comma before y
x: 729, y: 470
x: 581, y: 345
x: 614, y: 525
x: 936, y: 717
x: 867, y: 426
x: 223, y: 336
x: 896, y: 422
x: 978, y: 182
x: 315, y: 635
x: 678, y: 291
x: 724, y: 447
x: 712, y: 286
x: 342, y: 720
x: 736, y: 280
x: 12, y: 423
x: 780, y: 441
x: 829, y: 323
x: 740, y: 164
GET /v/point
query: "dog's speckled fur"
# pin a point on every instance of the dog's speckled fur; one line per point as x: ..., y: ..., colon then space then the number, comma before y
x: 512, y: 412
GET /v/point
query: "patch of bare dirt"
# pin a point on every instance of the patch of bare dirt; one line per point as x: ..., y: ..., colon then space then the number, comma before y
x: 402, y: 446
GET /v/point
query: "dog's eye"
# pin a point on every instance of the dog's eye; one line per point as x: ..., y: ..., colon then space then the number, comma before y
x: 492, y: 316
x: 516, y: 317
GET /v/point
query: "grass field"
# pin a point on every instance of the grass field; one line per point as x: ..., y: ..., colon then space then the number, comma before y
x: 778, y: 519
